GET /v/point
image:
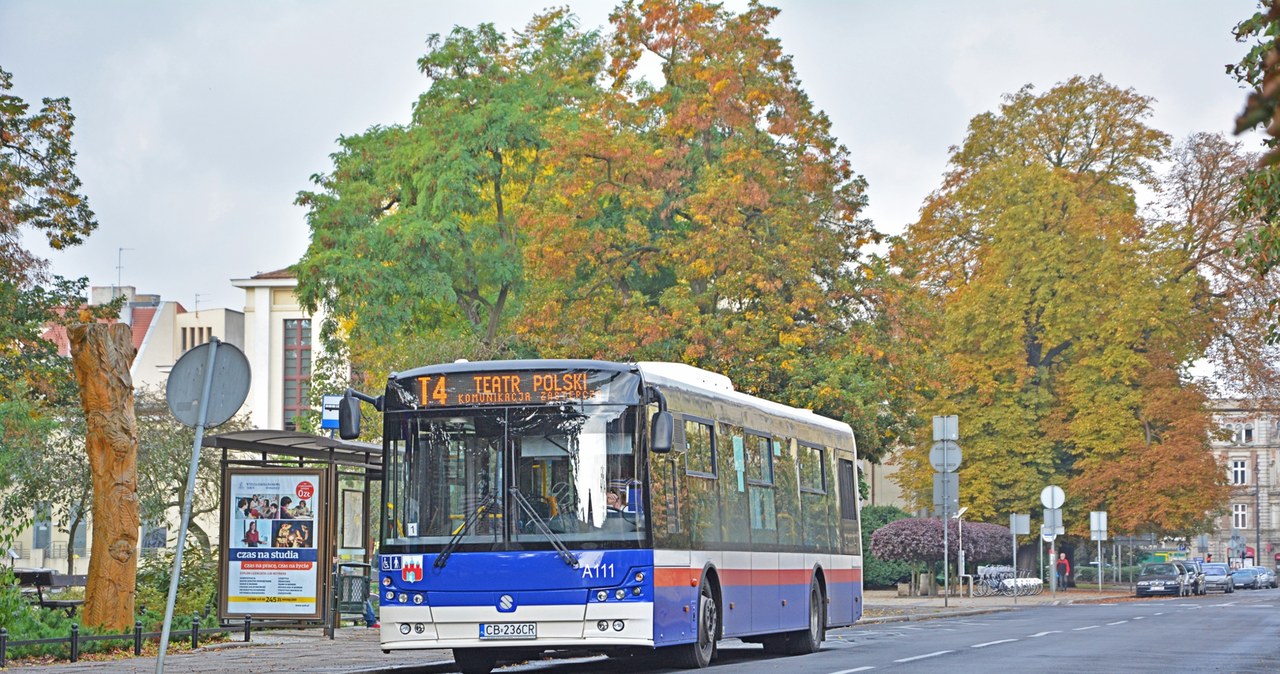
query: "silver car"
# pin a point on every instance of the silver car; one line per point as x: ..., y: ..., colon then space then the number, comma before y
x: 1218, y: 577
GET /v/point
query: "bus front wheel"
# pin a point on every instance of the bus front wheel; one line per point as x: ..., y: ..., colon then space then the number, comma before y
x: 700, y: 653
x: 474, y: 660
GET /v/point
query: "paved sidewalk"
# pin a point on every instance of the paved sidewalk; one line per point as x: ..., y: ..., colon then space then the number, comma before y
x: 356, y: 649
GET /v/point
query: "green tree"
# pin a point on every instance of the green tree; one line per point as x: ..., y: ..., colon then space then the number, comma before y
x: 39, y: 193
x: 1259, y: 201
x: 53, y: 472
x: 417, y: 233
x: 1064, y: 323
x: 164, y: 460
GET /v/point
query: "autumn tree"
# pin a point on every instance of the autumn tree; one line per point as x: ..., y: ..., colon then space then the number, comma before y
x: 710, y: 217
x: 1065, y: 324
x: 548, y: 200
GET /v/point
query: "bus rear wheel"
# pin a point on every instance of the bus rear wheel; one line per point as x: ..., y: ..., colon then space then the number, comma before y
x: 474, y: 660
x: 701, y: 652
x: 804, y: 642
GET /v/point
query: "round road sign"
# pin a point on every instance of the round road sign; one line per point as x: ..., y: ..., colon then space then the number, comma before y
x: 944, y: 455
x: 1053, y: 496
x: 227, y: 390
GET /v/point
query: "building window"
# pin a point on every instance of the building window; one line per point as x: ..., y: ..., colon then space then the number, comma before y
x: 1240, y: 515
x: 297, y: 369
x: 1239, y: 471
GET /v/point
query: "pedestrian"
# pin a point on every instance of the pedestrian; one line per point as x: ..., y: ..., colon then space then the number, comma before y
x: 1064, y: 569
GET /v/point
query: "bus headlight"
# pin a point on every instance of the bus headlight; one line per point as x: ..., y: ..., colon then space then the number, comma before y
x: 603, y: 625
x: 640, y: 576
x: 386, y: 581
x: 391, y: 595
x: 602, y: 595
x: 404, y: 628
x: 618, y: 625
x: 403, y: 598
x: 620, y: 593
x: 419, y: 628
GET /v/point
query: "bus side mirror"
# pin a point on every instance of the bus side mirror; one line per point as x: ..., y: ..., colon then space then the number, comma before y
x: 660, y: 433
x: 348, y: 417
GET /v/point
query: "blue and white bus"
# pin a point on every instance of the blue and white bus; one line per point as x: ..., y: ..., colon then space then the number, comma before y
x: 539, y: 505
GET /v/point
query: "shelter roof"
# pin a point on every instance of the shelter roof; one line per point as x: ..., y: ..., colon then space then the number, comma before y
x: 300, y: 445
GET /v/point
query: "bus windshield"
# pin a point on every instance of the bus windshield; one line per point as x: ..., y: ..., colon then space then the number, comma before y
x: 459, y: 475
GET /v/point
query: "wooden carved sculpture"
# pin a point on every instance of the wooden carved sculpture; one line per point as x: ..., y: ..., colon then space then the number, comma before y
x: 101, y: 354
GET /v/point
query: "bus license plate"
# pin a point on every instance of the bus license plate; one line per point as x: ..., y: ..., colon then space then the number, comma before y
x: 508, y: 630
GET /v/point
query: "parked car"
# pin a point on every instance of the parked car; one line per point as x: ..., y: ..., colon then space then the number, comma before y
x: 1217, y: 577
x: 1162, y: 578
x: 1246, y: 578
x: 1195, y: 576
x: 1267, y: 577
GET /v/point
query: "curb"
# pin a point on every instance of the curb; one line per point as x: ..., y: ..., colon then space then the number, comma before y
x: 935, y: 615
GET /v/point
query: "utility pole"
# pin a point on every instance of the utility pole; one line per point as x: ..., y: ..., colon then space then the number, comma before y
x: 119, y: 270
x: 1257, y: 510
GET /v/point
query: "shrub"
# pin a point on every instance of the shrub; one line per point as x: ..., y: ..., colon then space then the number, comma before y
x: 920, y: 540
x: 878, y: 572
x: 197, y: 588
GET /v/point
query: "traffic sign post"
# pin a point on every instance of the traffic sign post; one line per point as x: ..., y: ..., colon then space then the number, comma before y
x: 1098, y: 532
x: 206, y: 387
x: 944, y: 455
x: 1019, y: 525
x: 1052, y: 497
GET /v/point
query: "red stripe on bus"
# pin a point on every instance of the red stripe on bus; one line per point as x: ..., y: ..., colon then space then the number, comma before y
x: 669, y: 577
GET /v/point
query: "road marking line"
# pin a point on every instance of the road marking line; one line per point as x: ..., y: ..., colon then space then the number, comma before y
x: 921, y: 657
x: 851, y: 671
x: 1040, y: 634
x: 1081, y: 629
x: 1138, y: 617
x: 1118, y: 622
x: 992, y: 643
x: 1159, y: 614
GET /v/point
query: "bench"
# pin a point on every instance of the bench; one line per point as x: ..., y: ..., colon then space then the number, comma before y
x: 43, y: 580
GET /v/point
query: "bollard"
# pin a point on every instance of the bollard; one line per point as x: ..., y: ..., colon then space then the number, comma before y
x: 248, y: 621
x: 75, y: 642
x: 137, y: 637
x: 4, y: 647
x: 195, y: 631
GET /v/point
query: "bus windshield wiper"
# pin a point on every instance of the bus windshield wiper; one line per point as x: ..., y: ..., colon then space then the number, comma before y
x: 543, y: 529
x: 462, y: 531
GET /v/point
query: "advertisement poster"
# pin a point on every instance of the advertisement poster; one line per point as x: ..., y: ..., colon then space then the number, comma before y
x: 271, y: 538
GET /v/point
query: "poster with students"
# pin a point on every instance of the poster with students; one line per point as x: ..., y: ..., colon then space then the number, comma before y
x: 272, y: 566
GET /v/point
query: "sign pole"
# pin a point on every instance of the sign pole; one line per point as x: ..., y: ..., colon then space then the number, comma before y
x: 1099, y: 566
x: 186, y: 505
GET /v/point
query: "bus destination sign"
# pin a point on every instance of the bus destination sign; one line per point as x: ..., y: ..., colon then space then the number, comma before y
x: 509, y: 388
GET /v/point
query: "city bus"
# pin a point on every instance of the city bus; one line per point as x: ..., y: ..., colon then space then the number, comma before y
x: 535, y: 505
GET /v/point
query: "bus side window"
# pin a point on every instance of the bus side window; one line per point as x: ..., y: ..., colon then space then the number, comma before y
x: 788, y: 492
x: 703, y: 505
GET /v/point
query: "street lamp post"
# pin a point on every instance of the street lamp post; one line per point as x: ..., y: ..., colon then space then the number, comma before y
x: 960, y: 530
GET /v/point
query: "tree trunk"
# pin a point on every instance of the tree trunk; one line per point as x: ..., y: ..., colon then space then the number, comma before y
x: 101, y: 355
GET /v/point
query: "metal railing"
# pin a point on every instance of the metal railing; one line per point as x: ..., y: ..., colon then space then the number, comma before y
x: 74, y: 639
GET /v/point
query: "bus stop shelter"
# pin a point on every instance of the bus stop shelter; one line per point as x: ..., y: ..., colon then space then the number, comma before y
x: 296, y: 509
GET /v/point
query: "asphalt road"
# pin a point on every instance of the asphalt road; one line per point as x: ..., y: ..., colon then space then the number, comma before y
x: 1217, y: 633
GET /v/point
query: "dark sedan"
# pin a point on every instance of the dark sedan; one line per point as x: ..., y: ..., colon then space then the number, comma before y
x: 1162, y: 578
x: 1247, y: 578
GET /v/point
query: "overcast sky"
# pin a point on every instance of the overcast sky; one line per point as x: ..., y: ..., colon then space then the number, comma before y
x: 198, y: 123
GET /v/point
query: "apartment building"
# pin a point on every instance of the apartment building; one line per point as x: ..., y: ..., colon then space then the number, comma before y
x: 1249, y: 449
